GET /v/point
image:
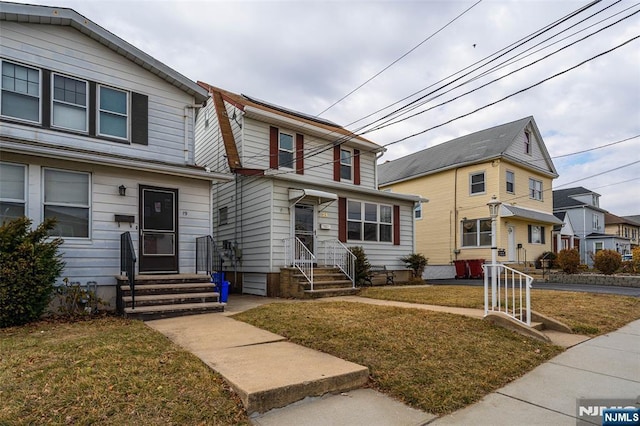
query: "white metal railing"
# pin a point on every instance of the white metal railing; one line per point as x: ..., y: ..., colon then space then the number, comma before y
x: 300, y: 257
x: 338, y: 255
x: 504, y: 291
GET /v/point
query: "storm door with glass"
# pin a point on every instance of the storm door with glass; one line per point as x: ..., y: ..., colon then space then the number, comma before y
x: 158, y: 230
x: 304, y: 226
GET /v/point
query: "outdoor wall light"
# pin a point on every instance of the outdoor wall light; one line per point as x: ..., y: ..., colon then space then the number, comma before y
x: 122, y: 190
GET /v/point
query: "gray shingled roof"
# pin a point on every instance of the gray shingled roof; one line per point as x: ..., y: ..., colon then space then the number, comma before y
x: 479, y: 146
x: 562, y: 198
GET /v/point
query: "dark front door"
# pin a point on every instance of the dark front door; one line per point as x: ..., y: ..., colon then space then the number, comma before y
x: 158, y: 230
x: 305, y: 226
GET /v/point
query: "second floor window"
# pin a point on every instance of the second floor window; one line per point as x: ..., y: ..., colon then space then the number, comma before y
x: 476, y: 183
x: 596, y: 221
x: 345, y: 164
x: 510, y: 178
x: 285, y: 150
x: 113, y: 113
x: 417, y: 211
x: 12, y: 191
x: 535, y: 189
x: 20, y: 92
x: 69, y: 103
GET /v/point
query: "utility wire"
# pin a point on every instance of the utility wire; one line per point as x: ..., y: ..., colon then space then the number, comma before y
x: 397, y: 60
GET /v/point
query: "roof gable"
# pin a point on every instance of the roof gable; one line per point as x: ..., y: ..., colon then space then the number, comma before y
x: 45, y: 15
x: 477, y: 147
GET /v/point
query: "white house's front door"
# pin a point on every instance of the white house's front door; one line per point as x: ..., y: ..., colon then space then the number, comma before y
x: 511, y: 250
x: 158, y: 230
x: 305, y: 225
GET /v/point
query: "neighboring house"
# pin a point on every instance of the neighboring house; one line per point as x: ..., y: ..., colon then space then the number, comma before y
x: 509, y: 161
x: 99, y: 135
x: 624, y: 228
x: 588, y: 220
x: 296, y: 177
x: 564, y: 237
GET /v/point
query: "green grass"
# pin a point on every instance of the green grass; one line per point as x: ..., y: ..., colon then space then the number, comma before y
x: 433, y: 361
x: 586, y: 313
x: 107, y: 371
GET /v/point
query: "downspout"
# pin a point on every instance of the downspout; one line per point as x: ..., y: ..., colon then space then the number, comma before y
x: 455, y: 216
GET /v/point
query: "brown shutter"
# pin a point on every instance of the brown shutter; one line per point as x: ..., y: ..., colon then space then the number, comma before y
x: 356, y: 167
x: 273, y: 147
x: 342, y: 219
x: 299, y: 154
x: 336, y: 163
x: 93, y: 108
x: 396, y: 225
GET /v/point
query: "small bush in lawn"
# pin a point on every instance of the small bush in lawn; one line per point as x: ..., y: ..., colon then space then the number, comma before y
x: 568, y: 260
x: 547, y: 255
x: 607, y: 261
x: 362, y: 264
x: 416, y: 262
x: 29, y: 266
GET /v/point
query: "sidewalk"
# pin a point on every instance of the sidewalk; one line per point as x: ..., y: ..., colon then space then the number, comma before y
x: 257, y: 362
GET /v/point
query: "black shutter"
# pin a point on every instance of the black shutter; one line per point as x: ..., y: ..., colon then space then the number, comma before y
x: 93, y: 108
x: 139, y: 119
x: 529, y: 229
x: 46, y: 98
x: 542, y: 233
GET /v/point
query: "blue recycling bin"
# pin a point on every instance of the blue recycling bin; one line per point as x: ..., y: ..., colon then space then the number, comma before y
x: 217, y: 278
x: 223, y: 289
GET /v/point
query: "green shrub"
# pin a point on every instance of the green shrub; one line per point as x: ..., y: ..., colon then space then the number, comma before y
x: 29, y: 266
x: 607, y: 261
x: 362, y: 264
x: 548, y: 255
x: 416, y: 262
x: 568, y: 260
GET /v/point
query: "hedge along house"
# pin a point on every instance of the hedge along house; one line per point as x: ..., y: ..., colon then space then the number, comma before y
x: 509, y: 161
x: 99, y: 135
x: 298, y: 180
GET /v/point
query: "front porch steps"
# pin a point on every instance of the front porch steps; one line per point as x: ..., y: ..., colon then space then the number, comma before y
x: 327, y: 282
x: 164, y: 296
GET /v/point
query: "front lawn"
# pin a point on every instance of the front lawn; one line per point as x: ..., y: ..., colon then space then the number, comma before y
x: 436, y: 362
x: 107, y: 371
x: 586, y: 313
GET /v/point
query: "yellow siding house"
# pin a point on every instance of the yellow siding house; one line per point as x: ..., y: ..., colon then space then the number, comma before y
x: 459, y: 178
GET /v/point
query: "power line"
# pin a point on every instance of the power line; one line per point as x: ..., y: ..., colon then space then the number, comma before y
x: 597, y: 147
x: 398, y: 60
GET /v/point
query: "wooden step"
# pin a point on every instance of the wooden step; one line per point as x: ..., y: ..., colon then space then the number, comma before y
x: 171, y: 298
x: 197, y: 287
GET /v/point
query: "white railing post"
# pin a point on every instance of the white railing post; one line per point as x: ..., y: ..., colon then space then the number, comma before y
x: 340, y: 257
x: 510, y: 276
x: 300, y: 257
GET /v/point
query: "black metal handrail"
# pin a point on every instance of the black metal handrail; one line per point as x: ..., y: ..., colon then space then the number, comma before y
x: 208, y: 258
x: 128, y: 263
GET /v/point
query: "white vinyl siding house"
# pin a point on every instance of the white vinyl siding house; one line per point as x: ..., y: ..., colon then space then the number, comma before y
x: 292, y: 189
x: 89, y: 124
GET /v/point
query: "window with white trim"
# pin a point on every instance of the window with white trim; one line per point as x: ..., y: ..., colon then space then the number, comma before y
x: 417, y: 211
x: 476, y: 183
x: 20, y: 92
x: 527, y: 143
x: 597, y: 246
x: 369, y: 221
x: 13, y: 191
x: 536, y: 234
x: 596, y: 221
x: 476, y: 233
x: 346, y: 169
x: 223, y: 216
x: 67, y: 198
x: 285, y: 150
x: 70, y: 98
x: 113, y: 113
x: 510, y: 179
x: 535, y: 189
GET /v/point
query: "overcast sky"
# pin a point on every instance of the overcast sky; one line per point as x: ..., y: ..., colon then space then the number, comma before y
x: 307, y: 55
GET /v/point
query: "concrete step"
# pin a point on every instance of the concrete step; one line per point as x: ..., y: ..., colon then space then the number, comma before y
x: 324, y: 285
x: 171, y: 298
x: 168, y: 288
x: 147, y: 313
x: 330, y: 292
x: 166, y: 279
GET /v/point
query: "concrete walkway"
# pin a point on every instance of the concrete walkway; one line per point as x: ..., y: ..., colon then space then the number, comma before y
x: 266, y: 371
